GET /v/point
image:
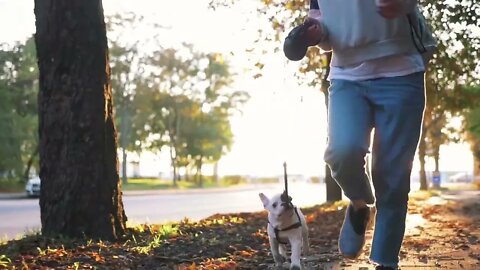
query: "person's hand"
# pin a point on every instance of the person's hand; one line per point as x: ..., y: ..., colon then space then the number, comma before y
x: 314, y: 32
x: 390, y: 9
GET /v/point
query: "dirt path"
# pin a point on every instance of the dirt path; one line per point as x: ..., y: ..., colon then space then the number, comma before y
x: 443, y: 232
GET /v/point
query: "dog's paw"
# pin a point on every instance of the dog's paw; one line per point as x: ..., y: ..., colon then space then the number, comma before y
x: 295, y: 267
x: 279, y: 260
x: 282, y: 249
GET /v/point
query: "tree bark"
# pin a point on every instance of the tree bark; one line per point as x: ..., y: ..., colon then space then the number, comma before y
x: 81, y: 190
x: 476, y: 165
x: 421, y: 157
x: 436, y: 157
x: 173, y: 160
x: 334, y: 192
x: 26, y: 174
x: 198, y: 176
x: 124, y: 166
x: 123, y: 142
x: 475, y: 146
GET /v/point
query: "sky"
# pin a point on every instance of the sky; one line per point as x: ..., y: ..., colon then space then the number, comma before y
x: 281, y: 122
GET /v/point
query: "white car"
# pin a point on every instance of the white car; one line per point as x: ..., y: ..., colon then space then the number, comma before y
x: 33, y: 187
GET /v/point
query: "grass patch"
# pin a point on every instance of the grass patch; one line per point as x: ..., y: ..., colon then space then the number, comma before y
x: 147, y: 184
x: 8, y: 185
x: 424, y: 194
x: 161, y: 184
x: 156, y: 184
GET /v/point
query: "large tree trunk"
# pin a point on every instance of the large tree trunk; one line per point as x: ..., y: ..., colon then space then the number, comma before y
x: 436, y: 157
x: 421, y: 157
x: 81, y: 191
x: 475, y: 146
x: 124, y: 166
x: 334, y: 192
x: 173, y: 160
x: 476, y: 165
x: 198, y: 175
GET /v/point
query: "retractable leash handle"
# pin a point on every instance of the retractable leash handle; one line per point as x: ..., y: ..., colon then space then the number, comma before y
x: 295, y: 45
x: 287, y: 200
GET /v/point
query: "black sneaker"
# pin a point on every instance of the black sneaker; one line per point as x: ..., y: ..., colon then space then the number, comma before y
x: 381, y: 267
x: 352, y: 234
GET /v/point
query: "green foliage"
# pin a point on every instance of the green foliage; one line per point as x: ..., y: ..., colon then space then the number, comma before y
x: 473, y: 122
x: 174, y: 98
x: 453, y: 67
x: 472, y: 128
x: 18, y: 109
x: 266, y: 180
x: 472, y: 117
x: 187, y: 105
x: 160, y: 184
x: 229, y: 180
x: 126, y: 72
x: 155, y: 184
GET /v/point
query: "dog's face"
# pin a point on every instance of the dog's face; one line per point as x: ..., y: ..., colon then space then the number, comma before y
x: 275, y: 206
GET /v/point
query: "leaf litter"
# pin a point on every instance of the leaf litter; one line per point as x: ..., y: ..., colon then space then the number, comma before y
x: 439, y: 236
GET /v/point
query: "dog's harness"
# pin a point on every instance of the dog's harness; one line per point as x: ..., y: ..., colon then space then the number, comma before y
x: 291, y: 227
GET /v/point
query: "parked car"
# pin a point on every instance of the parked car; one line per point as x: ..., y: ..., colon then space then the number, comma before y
x: 33, y: 187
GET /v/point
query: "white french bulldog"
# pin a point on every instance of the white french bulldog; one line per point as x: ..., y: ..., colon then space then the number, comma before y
x: 286, y: 223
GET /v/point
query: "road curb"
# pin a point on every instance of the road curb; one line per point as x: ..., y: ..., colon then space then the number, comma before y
x: 12, y: 196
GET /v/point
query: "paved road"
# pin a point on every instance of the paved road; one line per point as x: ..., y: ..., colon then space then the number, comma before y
x: 21, y: 215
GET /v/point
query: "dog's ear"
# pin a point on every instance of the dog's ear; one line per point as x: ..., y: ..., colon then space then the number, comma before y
x: 264, y: 199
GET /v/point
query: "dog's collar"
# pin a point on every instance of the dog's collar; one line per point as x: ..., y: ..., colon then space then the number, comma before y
x: 291, y: 227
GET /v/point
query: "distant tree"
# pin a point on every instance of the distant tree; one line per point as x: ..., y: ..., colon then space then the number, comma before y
x: 18, y: 110
x: 472, y: 131
x: 127, y: 70
x: 80, y: 190
x: 472, y: 136
x: 314, y: 68
x: 209, y: 137
x: 182, y: 84
x: 452, y: 68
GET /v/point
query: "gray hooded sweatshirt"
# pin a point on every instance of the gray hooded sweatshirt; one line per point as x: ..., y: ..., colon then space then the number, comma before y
x: 356, y: 32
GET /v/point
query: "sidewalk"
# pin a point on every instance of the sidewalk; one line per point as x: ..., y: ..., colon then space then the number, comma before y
x: 12, y: 195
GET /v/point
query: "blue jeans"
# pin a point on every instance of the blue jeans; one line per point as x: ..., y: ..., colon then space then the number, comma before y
x: 394, y: 108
